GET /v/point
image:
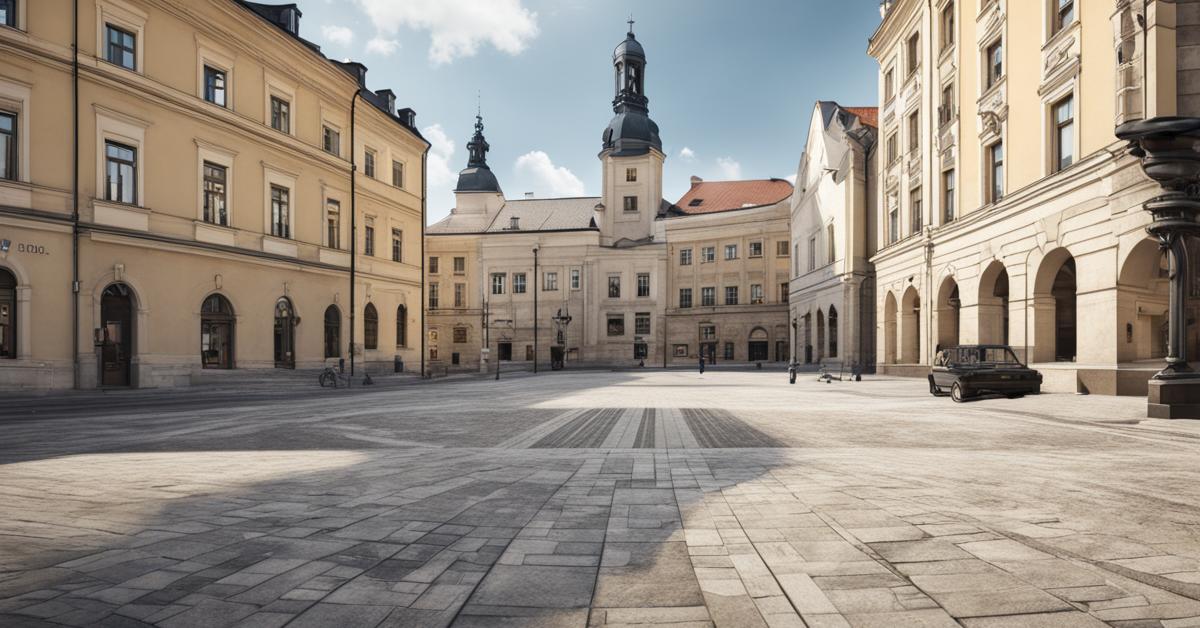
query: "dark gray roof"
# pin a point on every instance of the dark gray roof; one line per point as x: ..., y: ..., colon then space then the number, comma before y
x: 629, y: 47
x: 631, y: 133
x: 477, y: 179
x: 547, y: 214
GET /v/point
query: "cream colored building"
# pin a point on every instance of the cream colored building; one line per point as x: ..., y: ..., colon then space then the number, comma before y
x: 610, y: 263
x: 1008, y: 210
x: 211, y: 202
x: 833, y: 235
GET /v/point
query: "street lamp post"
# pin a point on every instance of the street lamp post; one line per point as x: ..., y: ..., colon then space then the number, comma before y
x: 535, y: 308
x: 1167, y: 148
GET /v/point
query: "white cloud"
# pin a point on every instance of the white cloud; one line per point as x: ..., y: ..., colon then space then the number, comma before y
x: 382, y: 46
x: 440, y: 153
x: 457, y: 27
x: 546, y: 178
x: 687, y: 154
x: 339, y: 35
x: 730, y: 168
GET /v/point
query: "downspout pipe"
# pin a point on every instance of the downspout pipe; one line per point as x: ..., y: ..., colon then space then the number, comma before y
x: 353, y: 221
x: 421, y: 304
x: 535, y: 308
x: 75, y: 366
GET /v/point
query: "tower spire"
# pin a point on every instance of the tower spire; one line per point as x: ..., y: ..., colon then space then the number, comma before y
x: 630, y: 21
x: 478, y: 147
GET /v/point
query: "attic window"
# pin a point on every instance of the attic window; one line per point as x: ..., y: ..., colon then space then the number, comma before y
x: 514, y: 223
x: 696, y: 202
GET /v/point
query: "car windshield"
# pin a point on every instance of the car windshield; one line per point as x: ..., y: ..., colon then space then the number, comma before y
x: 998, y: 355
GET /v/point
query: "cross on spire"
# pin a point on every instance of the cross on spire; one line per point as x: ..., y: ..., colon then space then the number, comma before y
x: 630, y: 22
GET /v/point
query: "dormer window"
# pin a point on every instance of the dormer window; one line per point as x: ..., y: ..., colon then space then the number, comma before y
x: 696, y: 202
x: 514, y: 223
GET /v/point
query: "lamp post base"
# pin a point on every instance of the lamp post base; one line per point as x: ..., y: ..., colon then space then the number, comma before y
x: 1176, y: 398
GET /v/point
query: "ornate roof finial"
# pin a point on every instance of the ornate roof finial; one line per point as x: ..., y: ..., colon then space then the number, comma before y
x: 630, y: 21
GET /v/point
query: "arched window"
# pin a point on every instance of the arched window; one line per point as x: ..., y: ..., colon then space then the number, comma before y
x: 8, y: 315
x: 833, y: 332
x: 216, y: 333
x: 333, y: 332
x: 402, y: 326
x: 370, y: 327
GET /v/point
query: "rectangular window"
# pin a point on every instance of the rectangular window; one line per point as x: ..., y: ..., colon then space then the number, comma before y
x: 830, y: 244
x: 756, y: 294
x: 995, y: 172
x: 433, y: 296
x: 215, y: 194
x: 893, y: 223
x: 497, y: 283
x: 631, y: 174
x: 398, y: 174
x: 947, y: 24
x: 121, y: 48
x: 1064, y: 133
x: 460, y: 335
x: 915, y: 211
x: 914, y: 53
x: 369, y: 163
x: 614, y: 287
x: 685, y: 257
x: 460, y: 265
x: 729, y: 351
x: 281, y: 220
x: 518, y: 283
x: 643, y: 284
x: 575, y: 279
x: 756, y: 249
x: 631, y: 203
x: 8, y: 17
x: 708, y: 297
x: 8, y: 146
x: 783, y: 292
x: 1064, y: 14
x: 731, y: 295
x: 369, y: 240
x: 708, y: 254
x: 946, y: 108
x: 812, y: 253
x: 331, y: 141
x: 948, y: 197
x: 914, y: 131
x: 281, y: 115
x: 333, y: 224
x: 460, y: 295
x: 550, y: 281
x: 781, y: 248
x: 730, y: 251
x: 889, y: 85
x: 397, y: 245
x: 893, y: 149
x: 708, y: 332
x: 995, y: 63
x: 215, y: 87
x: 616, y: 324
x: 641, y: 323
x: 121, y: 173
x: 433, y: 265
x: 685, y: 297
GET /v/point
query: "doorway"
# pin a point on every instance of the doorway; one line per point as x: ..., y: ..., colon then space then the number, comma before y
x: 505, y: 351
x: 285, y: 334
x: 116, y: 349
x: 758, y: 349
x: 216, y: 333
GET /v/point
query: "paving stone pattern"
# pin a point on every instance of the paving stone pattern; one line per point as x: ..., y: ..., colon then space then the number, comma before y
x: 648, y: 499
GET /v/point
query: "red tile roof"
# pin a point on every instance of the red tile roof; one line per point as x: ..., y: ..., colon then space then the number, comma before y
x: 707, y: 197
x: 868, y: 115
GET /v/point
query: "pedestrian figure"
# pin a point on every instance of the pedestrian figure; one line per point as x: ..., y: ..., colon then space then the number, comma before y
x: 701, y: 364
x: 792, y: 372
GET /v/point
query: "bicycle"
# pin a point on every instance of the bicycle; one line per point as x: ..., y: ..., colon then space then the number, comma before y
x: 330, y: 377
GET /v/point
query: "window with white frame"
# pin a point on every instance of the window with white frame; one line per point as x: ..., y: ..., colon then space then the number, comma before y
x: 333, y: 224
x: 331, y: 140
x: 281, y: 114
x: 369, y: 163
x: 518, y: 283
x: 915, y: 211
x: 614, y: 286
x: 731, y: 295
x: 216, y: 194
x: 550, y: 281
x: 995, y: 172
x: 731, y: 251
x: 1063, y: 14
x: 708, y: 296
x: 281, y: 212
x: 576, y: 280
x: 215, y: 86
x: 756, y: 248
x: 685, y: 297
x: 497, y: 283
x: 8, y: 13
x: 781, y: 248
x: 708, y: 254
x: 9, y: 145
x: 121, y: 172
x: 830, y: 244
x: 1063, y: 140
x: 994, y: 63
x: 685, y: 257
x: 756, y: 294
x: 643, y: 284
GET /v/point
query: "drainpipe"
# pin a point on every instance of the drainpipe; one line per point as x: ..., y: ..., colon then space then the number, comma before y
x: 353, y: 220
x: 421, y: 304
x: 535, y: 307
x: 75, y: 375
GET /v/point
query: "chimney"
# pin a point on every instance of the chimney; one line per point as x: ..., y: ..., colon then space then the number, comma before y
x: 696, y: 180
x: 389, y: 97
x: 528, y: 195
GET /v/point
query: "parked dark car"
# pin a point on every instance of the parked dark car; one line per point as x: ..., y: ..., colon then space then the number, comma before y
x: 970, y: 370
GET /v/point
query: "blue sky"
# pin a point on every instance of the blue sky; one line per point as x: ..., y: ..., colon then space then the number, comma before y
x: 733, y: 83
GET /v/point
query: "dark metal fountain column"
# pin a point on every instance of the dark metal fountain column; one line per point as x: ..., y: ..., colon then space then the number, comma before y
x: 1169, y: 150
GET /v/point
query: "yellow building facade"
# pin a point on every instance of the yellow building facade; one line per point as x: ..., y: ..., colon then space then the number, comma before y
x: 1008, y: 210
x: 182, y: 207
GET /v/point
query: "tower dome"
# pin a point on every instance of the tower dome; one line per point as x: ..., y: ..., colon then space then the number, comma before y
x: 477, y: 176
x: 631, y: 131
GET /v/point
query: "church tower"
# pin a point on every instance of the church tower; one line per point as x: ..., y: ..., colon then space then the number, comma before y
x: 478, y: 190
x: 632, y: 154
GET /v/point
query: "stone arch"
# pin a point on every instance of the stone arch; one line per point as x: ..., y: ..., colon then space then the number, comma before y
x: 217, y: 331
x: 949, y: 310
x: 993, y: 304
x: 889, y: 328
x: 910, y: 326
x: 1054, y: 315
x: 15, y: 313
x: 1142, y: 300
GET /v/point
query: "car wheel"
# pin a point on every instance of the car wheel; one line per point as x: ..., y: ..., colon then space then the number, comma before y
x: 956, y: 393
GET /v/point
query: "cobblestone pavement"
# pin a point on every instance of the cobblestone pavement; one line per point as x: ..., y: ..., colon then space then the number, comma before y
x: 598, y: 499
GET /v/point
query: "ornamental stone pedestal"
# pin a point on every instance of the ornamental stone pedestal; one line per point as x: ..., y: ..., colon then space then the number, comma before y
x: 1169, y: 150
